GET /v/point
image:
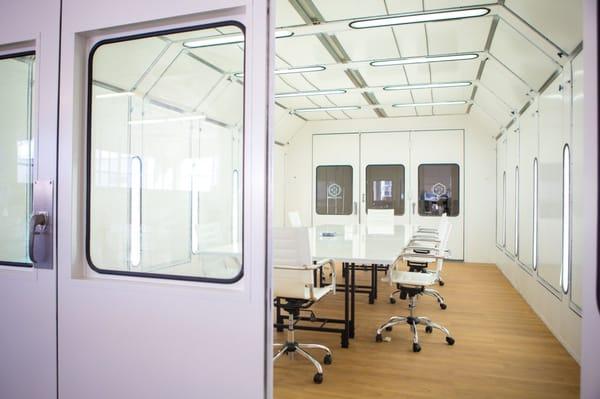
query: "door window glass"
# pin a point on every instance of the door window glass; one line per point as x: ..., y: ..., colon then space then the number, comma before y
x: 165, y: 138
x: 16, y: 156
x: 334, y: 190
x: 438, y: 189
x: 385, y: 188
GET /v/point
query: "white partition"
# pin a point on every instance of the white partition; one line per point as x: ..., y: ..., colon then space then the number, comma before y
x: 512, y: 148
x: 528, y: 152
x: 500, y: 191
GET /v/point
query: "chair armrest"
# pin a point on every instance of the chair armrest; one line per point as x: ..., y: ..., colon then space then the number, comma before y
x: 303, y: 267
x: 323, y: 262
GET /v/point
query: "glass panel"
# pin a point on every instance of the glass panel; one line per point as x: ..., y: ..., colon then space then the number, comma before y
x: 334, y: 190
x: 438, y: 189
x: 16, y: 157
x: 535, y: 213
x: 166, y: 138
x: 566, y: 222
x: 516, y: 211
x: 385, y: 188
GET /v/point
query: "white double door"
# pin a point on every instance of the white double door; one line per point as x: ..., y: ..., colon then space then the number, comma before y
x: 419, y: 174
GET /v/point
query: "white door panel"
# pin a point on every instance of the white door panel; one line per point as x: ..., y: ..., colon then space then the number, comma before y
x: 512, y: 141
x: 174, y: 268
x: 390, y: 152
x: 29, y: 44
x: 336, y: 172
x: 438, y: 157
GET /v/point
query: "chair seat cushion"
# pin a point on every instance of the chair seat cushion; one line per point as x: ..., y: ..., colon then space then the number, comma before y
x: 413, y: 278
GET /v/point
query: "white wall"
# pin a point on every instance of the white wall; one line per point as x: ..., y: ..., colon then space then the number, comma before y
x: 550, y: 123
x: 479, y: 168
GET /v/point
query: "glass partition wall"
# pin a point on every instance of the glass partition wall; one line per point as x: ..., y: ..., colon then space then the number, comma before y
x: 165, y: 155
x: 16, y: 157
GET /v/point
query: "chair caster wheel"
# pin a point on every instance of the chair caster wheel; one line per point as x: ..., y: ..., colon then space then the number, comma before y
x: 428, y: 329
x: 389, y: 328
x: 378, y: 338
x: 327, y: 359
x: 392, y: 300
x: 450, y: 340
x: 416, y: 348
x: 441, y: 283
x: 318, y: 378
x: 443, y: 306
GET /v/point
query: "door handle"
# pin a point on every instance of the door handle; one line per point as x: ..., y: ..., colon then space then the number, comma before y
x: 355, y: 208
x: 37, y: 219
x: 414, y: 205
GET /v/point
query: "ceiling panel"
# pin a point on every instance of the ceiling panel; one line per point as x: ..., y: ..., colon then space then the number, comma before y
x: 561, y: 22
x: 411, y: 39
x: 458, y: 36
x: 297, y: 102
x: 492, y: 106
x: 437, y: 4
x: 316, y: 116
x: 522, y: 57
x: 452, y: 94
x: 281, y: 86
x: 383, y: 76
x: 368, y: 44
x: 339, y: 114
x: 329, y: 79
x: 424, y: 111
x: 298, y: 82
x: 450, y: 109
x: 404, y: 111
x: 454, y: 71
x: 220, y: 107
x: 354, y: 98
x: 404, y: 6
x: 510, y: 89
x: 286, y: 15
x: 229, y: 58
x: 302, y: 51
x: 422, y: 96
x: 334, y: 10
x: 394, y: 97
x: 362, y: 113
x: 417, y: 73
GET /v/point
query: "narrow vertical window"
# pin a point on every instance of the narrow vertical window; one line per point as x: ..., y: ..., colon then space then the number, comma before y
x: 504, y: 209
x: 135, y: 216
x: 535, y: 213
x: 516, y: 211
x: 566, y: 222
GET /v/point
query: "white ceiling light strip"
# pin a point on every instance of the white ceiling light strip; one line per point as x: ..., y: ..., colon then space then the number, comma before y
x: 286, y: 71
x: 325, y: 109
x: 311, y: 93
x: 228, y: 39
x: 428, y: 86
x: 419, y: 18
x: 425, y: 59
x: 462, y: 102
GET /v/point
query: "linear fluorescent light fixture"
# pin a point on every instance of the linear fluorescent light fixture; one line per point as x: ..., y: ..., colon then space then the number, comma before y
x: 419, y: 18
x: 287, y: 71
x: 228, y: 39
x: 311, y: 93
x: 425, y: 59
x: 430, y: 104
x: 164, y: 120
x: 428, y: 86
x: 325, y: 109
x: 113, y: 95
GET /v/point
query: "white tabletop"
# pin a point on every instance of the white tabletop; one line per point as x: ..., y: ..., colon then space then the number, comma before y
x: 359, y: 244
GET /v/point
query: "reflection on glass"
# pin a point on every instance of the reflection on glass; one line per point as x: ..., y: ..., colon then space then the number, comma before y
x: 385, y: 187
x: 535, y: 213
x: 516, y: 211
x: 166, y: 137
x: 438, y: 189
x: 566, y: 222
x: 16, y: 157
x: 334, y: 190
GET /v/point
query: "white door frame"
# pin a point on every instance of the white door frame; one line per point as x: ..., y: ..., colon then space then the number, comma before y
x: 206, y: 339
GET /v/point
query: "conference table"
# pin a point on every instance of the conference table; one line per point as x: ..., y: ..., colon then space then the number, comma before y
x: 354, y: 246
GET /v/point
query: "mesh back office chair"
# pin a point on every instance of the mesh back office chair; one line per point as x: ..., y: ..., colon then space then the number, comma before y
x: 294, y: 283
x: 413, y: 284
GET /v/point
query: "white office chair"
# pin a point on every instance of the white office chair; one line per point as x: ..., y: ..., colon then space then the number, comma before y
x: 294, y: 283
x: 413, y: 284
x: 294, y: 219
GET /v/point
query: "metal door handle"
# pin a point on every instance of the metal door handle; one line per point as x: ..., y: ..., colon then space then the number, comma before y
x: 414, y: 204
x: 37, y: 219
x: 355, y: 210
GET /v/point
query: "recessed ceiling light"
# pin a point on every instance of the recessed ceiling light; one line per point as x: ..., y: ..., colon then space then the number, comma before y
x: 324, y: 109
x: 419, y: 18
x: 428, y: 86
x: 228, y: 39
x: 310, y: 93
x: 425, y: 59
x: 462, y: 102
x: 286, y: 71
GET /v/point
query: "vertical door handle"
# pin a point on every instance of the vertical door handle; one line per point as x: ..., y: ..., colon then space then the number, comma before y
x: 37, y: 219
x: 414, y: 205
x: 355, y: 210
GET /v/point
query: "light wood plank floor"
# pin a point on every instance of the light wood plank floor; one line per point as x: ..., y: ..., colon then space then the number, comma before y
x: 502, y: 350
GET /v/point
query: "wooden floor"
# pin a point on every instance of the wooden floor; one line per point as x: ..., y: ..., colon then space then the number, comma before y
x: 502, y: 350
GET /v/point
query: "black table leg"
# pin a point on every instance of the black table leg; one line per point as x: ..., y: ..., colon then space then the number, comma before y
x: 347, y: 322
x: 352, y: 299
x: 373, y: 283
x: 279, y: 317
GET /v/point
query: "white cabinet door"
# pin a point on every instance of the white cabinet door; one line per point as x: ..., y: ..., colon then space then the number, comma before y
x: 437, y: 177
x: 385, y: 173
x: 163, y: 267
x: 29, y: 44
x: 336, y: 172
